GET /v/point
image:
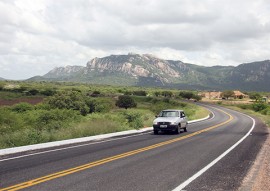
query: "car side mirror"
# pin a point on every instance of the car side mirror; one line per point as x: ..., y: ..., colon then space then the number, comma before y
x: 156, y: 116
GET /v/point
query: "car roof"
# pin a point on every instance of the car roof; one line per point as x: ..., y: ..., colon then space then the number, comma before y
x: 172, y: 110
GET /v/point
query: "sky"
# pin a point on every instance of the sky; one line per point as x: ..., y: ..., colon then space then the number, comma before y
x: 39, y: 35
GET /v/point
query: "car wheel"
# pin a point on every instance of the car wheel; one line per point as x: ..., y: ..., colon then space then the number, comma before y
x: 155, y: 132
x: 177, y: 131
x: 185, y: 129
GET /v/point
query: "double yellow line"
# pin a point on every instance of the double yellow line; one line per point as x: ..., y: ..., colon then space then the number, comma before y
x: 109, y: 159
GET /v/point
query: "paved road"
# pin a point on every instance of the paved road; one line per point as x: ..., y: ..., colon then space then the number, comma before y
x: 146, y: 161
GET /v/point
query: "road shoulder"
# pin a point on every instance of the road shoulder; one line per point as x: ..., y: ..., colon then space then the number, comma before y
x: 258, y: 176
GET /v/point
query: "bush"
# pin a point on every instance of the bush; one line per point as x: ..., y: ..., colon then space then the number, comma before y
x: 48, y: 92
x: 166, y: 100
x: 157, y: 94
x: 9, y: 121
x: 22, y: 107
x: 95, y: 94
x: 244, y: 106
x: 53, y: 119
x: 186, y: 94
x: 74, y: 100
x: 266, y: 111
x: 125, y: 102
x: 258, y: 106
x: 33, y: 92
x: 255, y: 96
x: 134, y: 119
x: 167, y: 94
x: 139, y: 93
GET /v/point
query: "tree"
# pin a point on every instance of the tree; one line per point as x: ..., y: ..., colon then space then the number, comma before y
x: 186, y: 94
x: 227, y: 94
x: 157, y: 94
x: 167, y: 94
x: 69, y: 100
x: 33, y: 92
x: 255, y: 96
x: 126, y: 102
x: 197, y: 97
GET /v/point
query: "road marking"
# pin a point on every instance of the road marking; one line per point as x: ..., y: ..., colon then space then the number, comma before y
x: 75, y: 146
x: 199, y: 173
x: 109, y: 159
x: 86, y: 144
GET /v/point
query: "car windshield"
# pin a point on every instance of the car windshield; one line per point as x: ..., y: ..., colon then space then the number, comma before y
x: 169, y: 114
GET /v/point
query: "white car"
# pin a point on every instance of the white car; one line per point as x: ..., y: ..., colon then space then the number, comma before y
x: 170, y: 120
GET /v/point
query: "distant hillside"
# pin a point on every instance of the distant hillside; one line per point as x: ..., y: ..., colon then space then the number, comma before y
x: 2, y: 79
x: 147, y: 70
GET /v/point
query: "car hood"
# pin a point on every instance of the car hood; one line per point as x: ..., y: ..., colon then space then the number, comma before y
x: 166, y: 119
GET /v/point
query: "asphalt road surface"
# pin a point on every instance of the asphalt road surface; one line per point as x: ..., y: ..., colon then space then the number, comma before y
x: 214, y: 154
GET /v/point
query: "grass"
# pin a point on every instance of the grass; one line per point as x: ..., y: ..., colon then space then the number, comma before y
x: 264, y: 118
x: 23, y: 125
x: 200, y: 112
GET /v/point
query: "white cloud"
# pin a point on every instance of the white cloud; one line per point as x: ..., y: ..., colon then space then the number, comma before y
x: 36, y: 36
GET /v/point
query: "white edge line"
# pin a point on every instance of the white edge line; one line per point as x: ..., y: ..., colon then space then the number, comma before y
x: 15, y: 150
x: 199, y: 173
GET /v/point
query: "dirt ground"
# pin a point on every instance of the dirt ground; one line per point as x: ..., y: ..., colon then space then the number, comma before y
x: 243, y: 101
x: 258, y: 177
x: 32, y: 101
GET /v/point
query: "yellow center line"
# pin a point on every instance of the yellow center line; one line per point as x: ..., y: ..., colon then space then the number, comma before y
x: 109, y: 159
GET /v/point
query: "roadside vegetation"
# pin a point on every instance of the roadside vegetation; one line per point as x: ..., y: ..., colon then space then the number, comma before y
x: 71, y: 110
x: 258, y: 106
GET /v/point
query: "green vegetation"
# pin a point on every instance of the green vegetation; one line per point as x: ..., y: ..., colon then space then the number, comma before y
x: 228, y: 93
x: 72, y: 110
x: 126, y: 102
x: 258, y: 108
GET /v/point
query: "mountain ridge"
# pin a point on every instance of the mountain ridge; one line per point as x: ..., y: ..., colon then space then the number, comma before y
x: 148, y: 70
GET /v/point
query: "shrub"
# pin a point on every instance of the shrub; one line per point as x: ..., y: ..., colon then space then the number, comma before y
x: 186, y: 94
x: 197, y: 97
x: 157, y: 94
x: 266, y: 111
x: 22, y: 107
x: 33, y: 92
x: 244, y: 106
x: 103, y: 105
x: 70, y: 100
x: 255, y: 96
x: 9, y: 121
x: 134, y: 119
x: 48, y: 92
x: 166, y: 100
x: 95, y: 94
x: 219, y: 102
x: 258, y: 106
x: 227, y: 94
x: 125, y: 102
x: 167, y: 94
x: 139, y: 93
x: 128, y: 93
x: 54, y: 119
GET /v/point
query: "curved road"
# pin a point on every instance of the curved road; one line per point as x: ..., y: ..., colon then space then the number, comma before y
x: 195, y: 160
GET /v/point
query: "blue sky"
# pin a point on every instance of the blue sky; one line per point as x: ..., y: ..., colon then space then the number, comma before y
x: 37, y: 36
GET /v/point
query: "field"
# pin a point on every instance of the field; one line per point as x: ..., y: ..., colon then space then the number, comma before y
x: 40, y: 112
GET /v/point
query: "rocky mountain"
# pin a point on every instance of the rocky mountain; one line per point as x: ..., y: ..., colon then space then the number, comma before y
x: 147, y: 70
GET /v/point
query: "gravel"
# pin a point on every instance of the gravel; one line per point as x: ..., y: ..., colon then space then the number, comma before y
x: 258, y: 177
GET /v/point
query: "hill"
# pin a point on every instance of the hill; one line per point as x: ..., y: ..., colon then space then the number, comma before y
x: 147, y: 70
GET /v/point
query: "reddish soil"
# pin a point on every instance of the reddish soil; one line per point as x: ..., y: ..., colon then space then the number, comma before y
x: 33, y: 101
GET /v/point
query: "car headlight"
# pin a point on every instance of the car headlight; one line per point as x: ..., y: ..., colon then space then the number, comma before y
x: 173, y: 123
x: 155, y: 123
